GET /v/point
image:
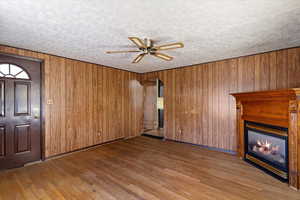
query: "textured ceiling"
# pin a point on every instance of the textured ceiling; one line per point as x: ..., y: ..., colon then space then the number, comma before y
x: 210, y: 29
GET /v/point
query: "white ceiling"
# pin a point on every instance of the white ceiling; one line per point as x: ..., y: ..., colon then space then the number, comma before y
x: 210, y: 29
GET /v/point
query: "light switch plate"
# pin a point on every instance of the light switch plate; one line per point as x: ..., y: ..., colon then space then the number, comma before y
x: 49, y: 101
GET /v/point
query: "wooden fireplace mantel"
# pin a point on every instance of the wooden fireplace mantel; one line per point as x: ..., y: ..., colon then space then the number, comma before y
x: 278, y: 108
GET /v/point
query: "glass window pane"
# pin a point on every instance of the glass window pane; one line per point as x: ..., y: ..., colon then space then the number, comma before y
x: 21, y: 98
x: 23, y: 75
x: 4, y: 68
x: 2, y: 98
x: 12, y: 71
x: 15, y: 69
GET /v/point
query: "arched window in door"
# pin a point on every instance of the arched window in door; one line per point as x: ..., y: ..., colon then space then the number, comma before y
x: 12, y: 71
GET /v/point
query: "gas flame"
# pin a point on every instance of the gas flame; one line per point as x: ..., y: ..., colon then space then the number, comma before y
x: 265, y: 147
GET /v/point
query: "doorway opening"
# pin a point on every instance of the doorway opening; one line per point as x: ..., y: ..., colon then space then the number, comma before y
x: 153, y: 116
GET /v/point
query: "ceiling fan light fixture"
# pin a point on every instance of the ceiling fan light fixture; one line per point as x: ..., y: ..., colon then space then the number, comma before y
x: 145, y: 47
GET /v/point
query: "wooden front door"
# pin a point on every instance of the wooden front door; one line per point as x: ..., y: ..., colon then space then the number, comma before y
x: 20, y: 128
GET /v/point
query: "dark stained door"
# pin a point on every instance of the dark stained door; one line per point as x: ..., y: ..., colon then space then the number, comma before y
x: 20, y: 128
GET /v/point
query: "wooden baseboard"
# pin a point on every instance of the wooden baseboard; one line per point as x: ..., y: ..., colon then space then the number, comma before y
x: 206, y: 147
x: 83, y: 149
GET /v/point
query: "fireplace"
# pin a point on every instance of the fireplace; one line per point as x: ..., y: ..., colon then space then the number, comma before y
x: 272, y: 143
x: 266, y: 147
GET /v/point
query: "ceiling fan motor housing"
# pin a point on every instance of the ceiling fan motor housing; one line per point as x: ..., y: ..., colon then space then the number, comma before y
x: 149, y: 46
x: 148, y: 42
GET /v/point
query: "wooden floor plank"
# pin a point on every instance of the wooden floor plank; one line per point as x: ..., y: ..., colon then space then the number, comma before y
x: 143, y: 168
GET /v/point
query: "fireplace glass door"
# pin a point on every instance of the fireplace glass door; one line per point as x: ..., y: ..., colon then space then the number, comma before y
x: 267, y: 146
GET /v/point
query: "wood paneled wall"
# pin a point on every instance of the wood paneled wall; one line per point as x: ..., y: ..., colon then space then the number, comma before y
x: 92, y: 104
x: 198, y: 107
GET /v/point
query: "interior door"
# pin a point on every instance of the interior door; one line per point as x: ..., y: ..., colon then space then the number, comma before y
x: 150, y: 107
x: 20, y: 128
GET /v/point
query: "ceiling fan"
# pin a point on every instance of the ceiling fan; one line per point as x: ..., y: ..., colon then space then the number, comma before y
x: 146, y: 47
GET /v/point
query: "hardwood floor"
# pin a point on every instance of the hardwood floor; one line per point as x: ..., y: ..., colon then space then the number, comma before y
x: 143, y: 168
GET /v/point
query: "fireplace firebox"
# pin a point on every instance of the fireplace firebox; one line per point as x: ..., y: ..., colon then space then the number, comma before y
x: 266, y: 147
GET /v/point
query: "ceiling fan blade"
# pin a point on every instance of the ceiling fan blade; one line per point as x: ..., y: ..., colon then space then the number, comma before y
x: 130, y: 51
x: 139, y: 58
x: 162, y: 56
x: 170, y: 46
x: 138, y: 42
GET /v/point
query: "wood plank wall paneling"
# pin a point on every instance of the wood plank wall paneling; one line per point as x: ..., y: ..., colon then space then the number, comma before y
x: 198, y: 107
x: 92, y: 104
